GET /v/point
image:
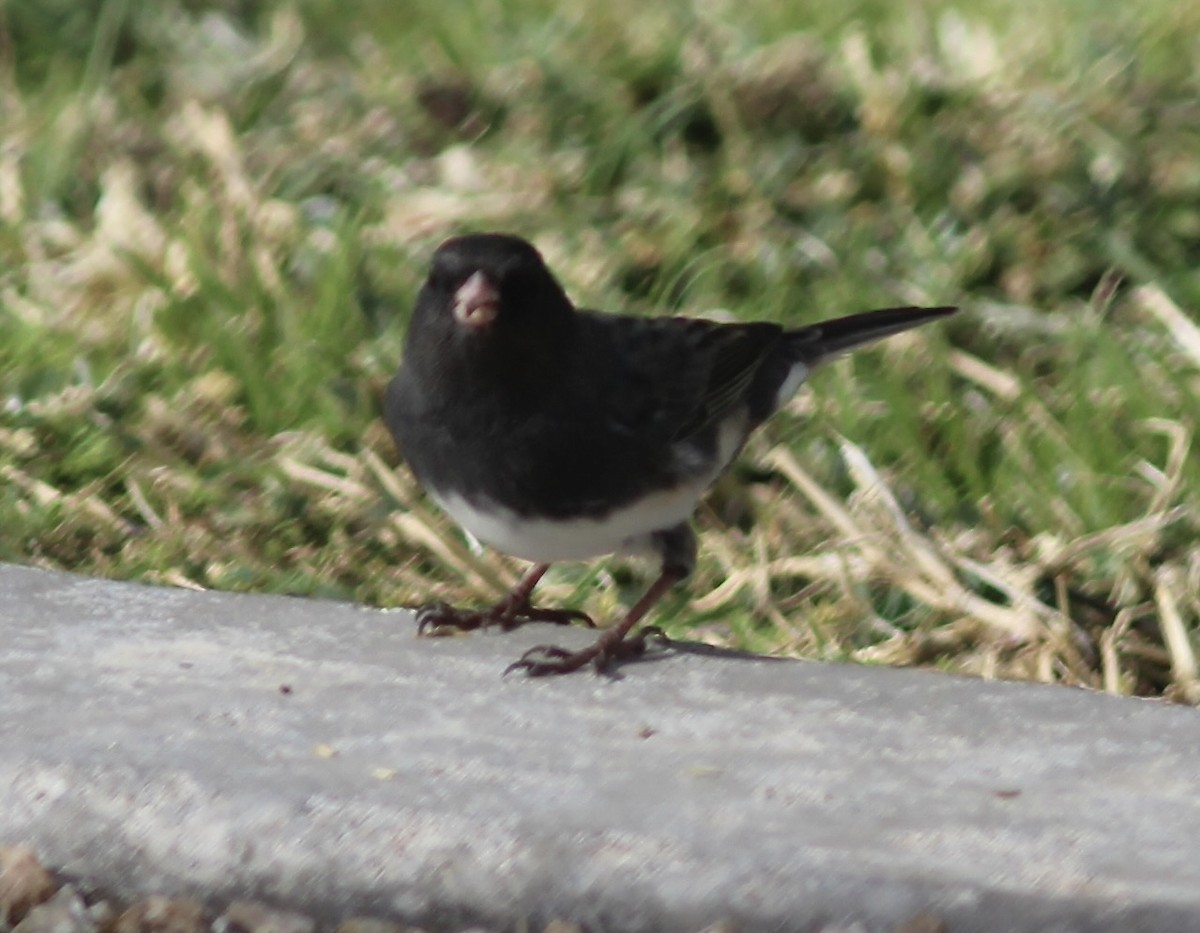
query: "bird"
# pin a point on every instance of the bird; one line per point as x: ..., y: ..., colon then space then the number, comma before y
x: 556, y: 433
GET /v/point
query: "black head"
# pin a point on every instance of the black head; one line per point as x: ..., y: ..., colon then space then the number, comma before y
x: 486, y: 282
x: 489, y: 309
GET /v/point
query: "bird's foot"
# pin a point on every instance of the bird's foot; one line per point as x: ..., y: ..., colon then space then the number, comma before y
x: 440, y: 619
x: 545, y: 660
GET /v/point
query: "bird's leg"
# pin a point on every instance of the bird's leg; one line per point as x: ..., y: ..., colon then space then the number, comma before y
x: 614, y: 645
x: 678, y: 547
x: 511, y: 612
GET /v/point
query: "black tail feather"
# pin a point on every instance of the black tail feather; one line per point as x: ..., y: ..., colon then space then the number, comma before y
x: 819, y: 341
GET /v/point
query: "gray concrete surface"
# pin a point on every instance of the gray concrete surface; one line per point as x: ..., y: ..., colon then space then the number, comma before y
x: 321, y: 757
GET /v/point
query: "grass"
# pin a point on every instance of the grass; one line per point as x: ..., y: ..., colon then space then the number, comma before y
x: 213, y: 219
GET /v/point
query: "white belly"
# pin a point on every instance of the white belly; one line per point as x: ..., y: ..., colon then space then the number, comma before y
x: 624, y: 530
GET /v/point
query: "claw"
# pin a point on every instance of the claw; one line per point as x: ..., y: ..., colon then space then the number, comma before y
x: 563, y: 662
x: 536, y: 667
x: 543, y: 660
x: 440, y: 619
x: 511, y: 612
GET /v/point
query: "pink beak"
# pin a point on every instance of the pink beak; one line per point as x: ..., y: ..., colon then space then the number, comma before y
x: 477, y: 302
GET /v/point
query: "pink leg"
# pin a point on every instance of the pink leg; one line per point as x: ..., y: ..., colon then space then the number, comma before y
x: 511, y: 612
x: 613, y: 645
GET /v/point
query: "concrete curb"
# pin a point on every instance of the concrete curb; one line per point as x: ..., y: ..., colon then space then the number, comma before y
x: 319, y: 756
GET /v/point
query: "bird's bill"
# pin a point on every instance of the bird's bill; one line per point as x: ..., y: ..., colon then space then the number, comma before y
x: 476, y: 302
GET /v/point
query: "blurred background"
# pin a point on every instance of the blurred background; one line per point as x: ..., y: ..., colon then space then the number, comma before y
x: 214, y: 217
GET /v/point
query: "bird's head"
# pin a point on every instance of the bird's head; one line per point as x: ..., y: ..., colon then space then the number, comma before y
x: 489, y: 317
x: 487, y: 282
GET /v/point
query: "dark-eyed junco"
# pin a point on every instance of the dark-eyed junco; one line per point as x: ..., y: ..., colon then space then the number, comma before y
x: 555, y: 433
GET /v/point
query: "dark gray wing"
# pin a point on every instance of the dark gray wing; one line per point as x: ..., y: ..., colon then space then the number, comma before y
x: 675, y: 377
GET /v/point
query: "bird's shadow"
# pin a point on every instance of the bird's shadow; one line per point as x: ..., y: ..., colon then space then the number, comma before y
x: 661, y: 648
x: 671, y: 646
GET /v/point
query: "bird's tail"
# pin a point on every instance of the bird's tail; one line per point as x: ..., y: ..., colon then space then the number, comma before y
x: 818, y: 342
